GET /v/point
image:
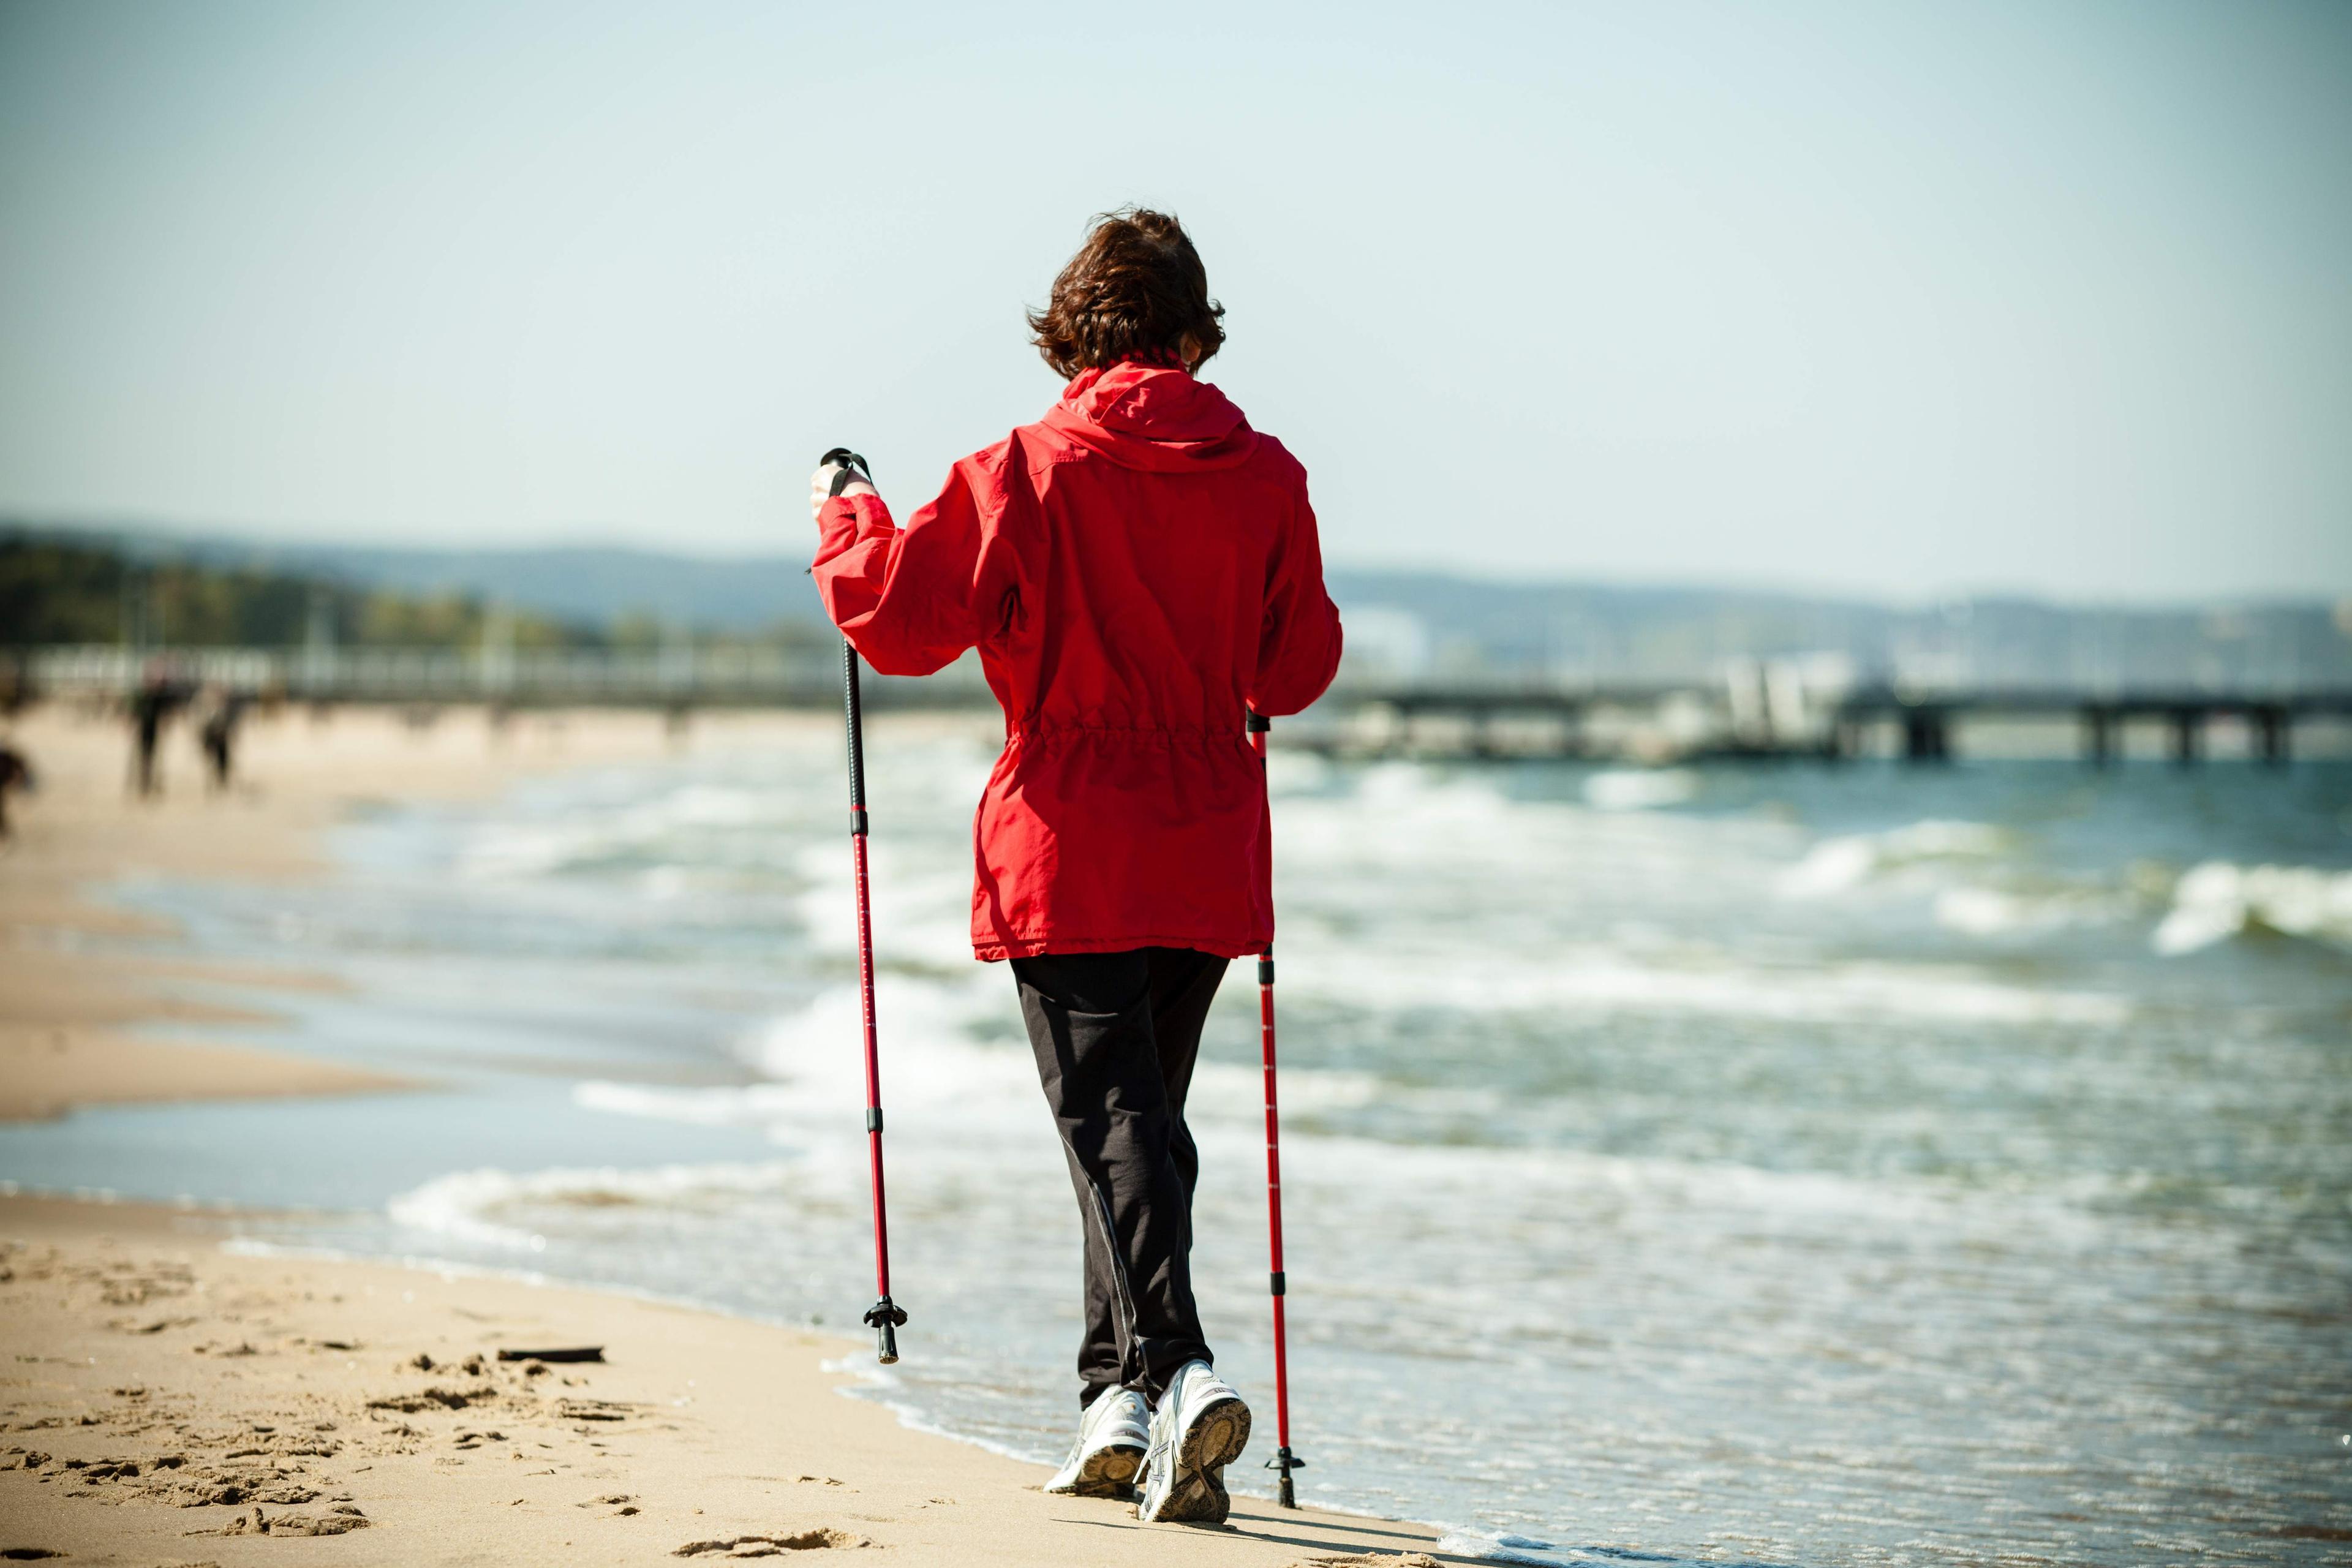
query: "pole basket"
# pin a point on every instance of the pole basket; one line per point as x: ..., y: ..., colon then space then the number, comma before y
x: 1285, y: 1461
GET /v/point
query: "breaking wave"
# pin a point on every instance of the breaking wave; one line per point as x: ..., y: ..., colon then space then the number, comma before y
x: 1834, y: 865
x: 2218, y: 901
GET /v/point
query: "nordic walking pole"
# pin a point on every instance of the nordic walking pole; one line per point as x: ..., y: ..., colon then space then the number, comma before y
x: 885, y: 1315
x: 1283, y: 1460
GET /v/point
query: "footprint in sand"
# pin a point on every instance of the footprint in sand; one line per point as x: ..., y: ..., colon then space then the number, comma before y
x: 341, y: 1520
x: 771, y: 1545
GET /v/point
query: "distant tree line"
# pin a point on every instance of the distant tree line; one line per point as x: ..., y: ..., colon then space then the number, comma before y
x: 62, y: 590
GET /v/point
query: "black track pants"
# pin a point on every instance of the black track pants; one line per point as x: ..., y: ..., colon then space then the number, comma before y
x: 1115, y: 1036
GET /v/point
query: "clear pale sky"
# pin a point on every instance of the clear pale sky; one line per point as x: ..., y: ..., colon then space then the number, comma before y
x: 1889, y: 299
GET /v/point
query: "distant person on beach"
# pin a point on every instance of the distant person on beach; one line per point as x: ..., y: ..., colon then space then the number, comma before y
x: 159, y: 695
x: 16, y: 773
x: 1139, y: 569
x: 224, y: 711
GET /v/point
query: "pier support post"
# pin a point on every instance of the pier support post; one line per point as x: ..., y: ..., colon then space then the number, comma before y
x: 2273, y: 733
x: 2187, y: 735
x: 2099, y: 726
x: 1482, y: 734
x: 1399, y: 740
x: 1926, y: 735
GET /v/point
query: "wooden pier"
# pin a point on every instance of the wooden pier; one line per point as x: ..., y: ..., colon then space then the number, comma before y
x: 1922, y: 724
x: 2269, y: 717
x: 1754, y: 709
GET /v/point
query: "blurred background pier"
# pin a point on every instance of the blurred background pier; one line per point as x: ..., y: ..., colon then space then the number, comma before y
x: 1437, y: 666
x: 1750, y: 709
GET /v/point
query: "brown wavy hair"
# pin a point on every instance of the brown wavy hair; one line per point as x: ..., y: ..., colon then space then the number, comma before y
x: 1136, y: 289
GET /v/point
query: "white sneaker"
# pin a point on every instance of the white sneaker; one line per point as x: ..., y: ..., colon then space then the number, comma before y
x: 1112, y: 1435
x: 1201, y: 1426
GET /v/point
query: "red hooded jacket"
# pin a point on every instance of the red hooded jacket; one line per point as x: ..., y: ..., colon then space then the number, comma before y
x: 1138, y: 569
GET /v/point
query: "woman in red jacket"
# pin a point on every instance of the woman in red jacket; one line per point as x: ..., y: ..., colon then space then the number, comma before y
x: 1139, y: 570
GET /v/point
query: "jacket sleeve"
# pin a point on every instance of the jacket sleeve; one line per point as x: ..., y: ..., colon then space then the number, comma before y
x: 1299, y: 642
x: 911, y: 600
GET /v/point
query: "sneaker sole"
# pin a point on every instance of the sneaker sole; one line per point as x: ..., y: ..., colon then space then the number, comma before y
x: 1106, y: 1472
x: 1215, y: 1440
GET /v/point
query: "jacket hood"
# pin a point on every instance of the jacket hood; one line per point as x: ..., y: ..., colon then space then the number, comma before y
x: 1152, y: 417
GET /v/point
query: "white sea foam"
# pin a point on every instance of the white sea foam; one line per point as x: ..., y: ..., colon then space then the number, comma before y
x: 922, y: 909
x: 1501, y: 1546
x: 1994, y: 911
x: 931, y: 1056
x: 1594, y: 979
x: 1238, y: 1093
x: 467, y: 1205
x: 2217, y: 900
x: 758, y: 1105
x: 1504, y: 1548
x: 935, y: 1072
x: 1406, y: 836
x: 1640, y: 789
x: 1836, y: 865
x: 516, y: 850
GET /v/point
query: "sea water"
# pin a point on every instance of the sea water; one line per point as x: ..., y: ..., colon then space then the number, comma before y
x: 1789, y: 1165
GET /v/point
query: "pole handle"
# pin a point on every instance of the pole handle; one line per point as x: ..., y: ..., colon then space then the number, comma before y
x: 852, y: 467
x: 853, y: 702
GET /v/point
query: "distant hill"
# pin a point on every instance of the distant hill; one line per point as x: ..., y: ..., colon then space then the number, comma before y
x: 1439, y: 625
x: 80, y: 589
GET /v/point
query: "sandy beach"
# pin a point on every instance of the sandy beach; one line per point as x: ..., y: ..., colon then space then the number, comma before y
x: 174, y: 1398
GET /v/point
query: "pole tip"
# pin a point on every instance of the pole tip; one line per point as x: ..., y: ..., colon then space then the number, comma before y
x: 885, y: 1315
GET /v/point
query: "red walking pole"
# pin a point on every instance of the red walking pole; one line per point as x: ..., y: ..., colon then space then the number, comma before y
x: 1284, y: 1461
x: 884, y: 1316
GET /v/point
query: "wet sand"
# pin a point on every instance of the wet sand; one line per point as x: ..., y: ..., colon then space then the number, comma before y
x: 165, y: 1400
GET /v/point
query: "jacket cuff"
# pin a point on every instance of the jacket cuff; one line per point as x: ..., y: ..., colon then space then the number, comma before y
x: 845, y: 521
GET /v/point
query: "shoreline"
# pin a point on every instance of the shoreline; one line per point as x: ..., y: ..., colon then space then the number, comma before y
x: 84, y: 976
x: 172, y: 1390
